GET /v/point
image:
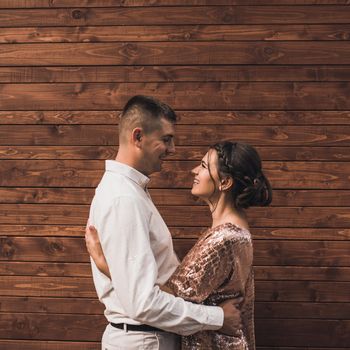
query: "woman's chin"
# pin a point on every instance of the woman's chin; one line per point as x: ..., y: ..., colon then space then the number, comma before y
x: 195, y: 193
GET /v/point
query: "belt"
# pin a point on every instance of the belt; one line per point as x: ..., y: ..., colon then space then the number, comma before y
x: 136, y: 327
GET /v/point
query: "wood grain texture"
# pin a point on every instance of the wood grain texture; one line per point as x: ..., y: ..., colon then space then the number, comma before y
x: 274, y: 253
x: 29, y: 195
x: 49, y: 345
x: 274, y: 74
x: 175, y: 33
x: 48, y: 214
x: 175, y: 174
x: 301, y: 333
x: 156, y: 53
x: 75, y: 269
x: 281, y: 291
x: 329, y: 234
x: 170, y: 15
x: 276, y: 153
x: 39, y: 326
x: 129, y: 3
x: 86, y: 306
x: 175, y: 73
x: 225, y: 96
x: 236, y: 117
x: 338, y: 135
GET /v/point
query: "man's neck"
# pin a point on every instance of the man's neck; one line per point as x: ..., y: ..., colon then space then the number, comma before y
x: 125, y: 156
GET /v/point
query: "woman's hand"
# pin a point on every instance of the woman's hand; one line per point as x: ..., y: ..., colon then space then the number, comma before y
x: 166, y: 289
x: 94, y: 248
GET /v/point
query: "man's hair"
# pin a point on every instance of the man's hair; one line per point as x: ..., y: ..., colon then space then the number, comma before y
x: 145, y: 112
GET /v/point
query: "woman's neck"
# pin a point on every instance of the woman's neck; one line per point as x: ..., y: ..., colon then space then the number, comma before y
x: 224, y: 212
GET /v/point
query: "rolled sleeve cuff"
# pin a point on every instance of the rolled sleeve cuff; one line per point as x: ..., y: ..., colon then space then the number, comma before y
x: 216, y: 318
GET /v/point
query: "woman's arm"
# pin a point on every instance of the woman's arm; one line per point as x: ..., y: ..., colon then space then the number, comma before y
x: 94, y: 248
x: 203, y: 270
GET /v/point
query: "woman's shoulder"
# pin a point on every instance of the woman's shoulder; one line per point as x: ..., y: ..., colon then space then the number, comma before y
x: 232, y: 232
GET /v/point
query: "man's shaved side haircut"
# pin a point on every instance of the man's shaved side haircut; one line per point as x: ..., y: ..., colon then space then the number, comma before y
x: 144, y: 112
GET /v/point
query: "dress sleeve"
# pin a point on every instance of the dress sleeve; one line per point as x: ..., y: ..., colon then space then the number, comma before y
x: 203, y: 270
x: 247, y: 310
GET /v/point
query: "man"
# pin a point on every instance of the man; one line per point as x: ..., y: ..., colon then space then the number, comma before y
x: 137, y: 244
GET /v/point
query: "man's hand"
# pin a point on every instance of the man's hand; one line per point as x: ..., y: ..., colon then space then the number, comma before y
x: 232, y: 317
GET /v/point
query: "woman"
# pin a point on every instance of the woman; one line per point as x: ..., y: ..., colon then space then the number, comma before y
x: 219, y: 266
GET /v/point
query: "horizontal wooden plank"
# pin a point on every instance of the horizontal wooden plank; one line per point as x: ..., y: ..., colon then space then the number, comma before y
x: 258, y: 217
x: 29, y: 286
x: 279, y: 153
x: 334, y: 135
x: 79, y: 173
x: 170, y: 15
x: 130, y: 3
x: 303, y: 333
x: 288, y: 253
x: 175, y: 33
x: 60, y: 269
x: 287, y: 291
x: 54, y: 269
x: 94, y: 307
x: 37, y: 195
x: 299, y: 273
x: 43, y: 249
x: 282, y: 291
x: 185, y: 117
x: 87, y: 306
x: 78, y: 327
x: 220, y: 73
x: 49, y: 345
x: 187, y: 53
x: 182, y: 95
x: 306, y: 217
x: 328, y: 234
x: 277, y: 253
x: 298, y: 310
x: 57, y: 327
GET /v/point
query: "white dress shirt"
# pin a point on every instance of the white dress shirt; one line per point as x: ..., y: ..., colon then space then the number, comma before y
x: 140, y: 256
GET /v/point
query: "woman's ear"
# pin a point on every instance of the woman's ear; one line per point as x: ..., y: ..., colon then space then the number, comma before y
x: 226, y: 183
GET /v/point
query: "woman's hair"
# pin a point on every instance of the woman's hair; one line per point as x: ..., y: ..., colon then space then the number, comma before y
x: 242, y: 162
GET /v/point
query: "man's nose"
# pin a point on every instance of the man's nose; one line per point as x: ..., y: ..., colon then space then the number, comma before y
x: 171, y: 148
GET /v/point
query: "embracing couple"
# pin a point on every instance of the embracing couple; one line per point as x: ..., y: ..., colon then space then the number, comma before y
x: 153, y: 301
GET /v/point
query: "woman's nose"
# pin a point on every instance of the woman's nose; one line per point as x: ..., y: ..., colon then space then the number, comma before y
x: 194, y: 171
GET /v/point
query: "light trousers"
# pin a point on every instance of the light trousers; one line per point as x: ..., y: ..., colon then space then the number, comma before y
x: 118, y: 339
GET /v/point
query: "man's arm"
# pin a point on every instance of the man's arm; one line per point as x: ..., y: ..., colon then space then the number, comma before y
x: 124, y: 233
x: 232, y: 320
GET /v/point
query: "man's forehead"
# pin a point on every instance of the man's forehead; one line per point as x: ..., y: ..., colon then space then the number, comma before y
x: 167, y: 127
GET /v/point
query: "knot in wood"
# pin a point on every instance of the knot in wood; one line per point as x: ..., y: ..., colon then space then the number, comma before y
x: 77, y: 14
x: 7, y: 249
x: 55, y: 247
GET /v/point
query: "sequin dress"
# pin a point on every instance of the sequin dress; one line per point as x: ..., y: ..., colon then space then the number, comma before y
x: 217, y: 268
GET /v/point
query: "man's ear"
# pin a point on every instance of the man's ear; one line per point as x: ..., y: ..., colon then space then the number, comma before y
x: 226, y: 183
x: 136, y: 136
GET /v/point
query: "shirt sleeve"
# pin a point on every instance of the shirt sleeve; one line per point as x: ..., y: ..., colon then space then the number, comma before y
x: 124, y: 234
x: 203, y: 270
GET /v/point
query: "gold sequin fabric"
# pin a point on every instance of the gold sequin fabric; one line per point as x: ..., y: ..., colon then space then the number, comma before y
x: 217, y: 268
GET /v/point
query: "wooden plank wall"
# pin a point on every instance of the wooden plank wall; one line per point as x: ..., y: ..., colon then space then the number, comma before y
x: 272, y: 73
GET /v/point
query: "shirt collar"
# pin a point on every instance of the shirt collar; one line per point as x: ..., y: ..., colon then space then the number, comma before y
x: 126, y: 170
